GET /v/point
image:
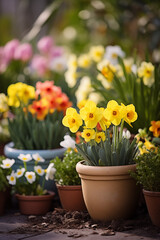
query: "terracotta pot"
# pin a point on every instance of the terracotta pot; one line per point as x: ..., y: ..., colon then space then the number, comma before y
x: 153, y: 205
x: 3, y: 199
x: 35, y: 205
x: 71, y: 198
x: 109, y: 192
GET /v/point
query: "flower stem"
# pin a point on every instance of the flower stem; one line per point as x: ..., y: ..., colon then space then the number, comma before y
x: 121, y: 130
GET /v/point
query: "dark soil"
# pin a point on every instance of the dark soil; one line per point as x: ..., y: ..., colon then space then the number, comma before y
x: 60, y: 219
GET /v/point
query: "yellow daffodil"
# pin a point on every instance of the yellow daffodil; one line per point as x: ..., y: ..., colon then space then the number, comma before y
x: 146, y: 71
x: 155, y: 128
x: 104, y: 121
x: 96, y: 53
x: 100, y: 136
x: 84, y: 61
x: 88, y: 134
x: 82, y: 103
x: 108, y: 72
x: 113, y: 112
x: 3, y: 103
x: 20, y: 93
x: 72, y: 120
x: 129, y: 113
x: 90, y: 114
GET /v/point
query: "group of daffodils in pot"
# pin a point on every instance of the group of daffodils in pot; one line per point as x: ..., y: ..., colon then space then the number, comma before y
x: 25, y: 181
x: 102, y: 132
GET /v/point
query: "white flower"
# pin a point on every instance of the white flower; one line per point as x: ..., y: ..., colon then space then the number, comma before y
x: 25, y: 157
x: 30, y: 176
x: 39, y: 170
x: 50, y: 171
x: 7, y: 163
x: 68, y: 142
x: 112, y: 53
x: 38, y: 158
x: 126, y: 134
x: 71, y: 77
x: 12, y: 178
x: 19, y: 173
x: 58, y: 64
x: 84, y: 89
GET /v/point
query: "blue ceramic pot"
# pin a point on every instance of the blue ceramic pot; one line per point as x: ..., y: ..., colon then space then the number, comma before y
x: 13, y: 153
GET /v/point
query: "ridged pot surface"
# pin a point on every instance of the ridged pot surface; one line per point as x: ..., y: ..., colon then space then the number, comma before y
x: 35, y: 205
x: 153, y: 205
x: 71, y: 197
x: 109, y: 192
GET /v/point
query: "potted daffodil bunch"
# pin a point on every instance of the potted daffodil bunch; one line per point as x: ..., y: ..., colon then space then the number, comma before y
x: 28, y: 184
x: 108, y: 157
x: 36, y: 122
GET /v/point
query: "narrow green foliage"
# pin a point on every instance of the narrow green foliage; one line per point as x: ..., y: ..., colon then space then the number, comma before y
x: 29, y: 133
x: 106, y: 154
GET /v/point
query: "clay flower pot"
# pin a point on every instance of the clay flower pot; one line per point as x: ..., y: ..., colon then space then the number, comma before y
x: 71, y: 197
x: 109, y: 192
x: 35, y: 205
x: 153, y: 205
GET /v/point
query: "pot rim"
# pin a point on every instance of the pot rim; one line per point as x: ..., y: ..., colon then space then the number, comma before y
x: 68, y: 187
x: 104, y: 170
x: 35, y: 197
x: 151, y: 193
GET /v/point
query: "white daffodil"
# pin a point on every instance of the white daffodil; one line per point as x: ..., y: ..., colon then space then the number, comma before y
x: 7, y: 163
x: 58, y: 64
x: 30, y: 176
x: 39, y: 170
x: 50, y: 171
x: 126, y: 134
x: 68, y: 142
x: 25, y: 157
x: 112, y: 53
x: 38, y: 158
x: 19, y: 173
x: 12, y: 178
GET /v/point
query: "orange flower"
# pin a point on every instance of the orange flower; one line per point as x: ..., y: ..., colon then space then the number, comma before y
x: 155, y: 128
x: 38, y: 108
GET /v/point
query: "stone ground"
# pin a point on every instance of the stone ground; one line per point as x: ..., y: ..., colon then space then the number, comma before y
x: 62, y: 225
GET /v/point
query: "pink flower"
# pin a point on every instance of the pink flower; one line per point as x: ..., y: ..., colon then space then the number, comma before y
x: 56, y: 51
x: 46, y: 88
x: 40, y: 65
x: 45, y: 44
x: 3, y: 61
x: 23, y: 52
x: 9, y: 49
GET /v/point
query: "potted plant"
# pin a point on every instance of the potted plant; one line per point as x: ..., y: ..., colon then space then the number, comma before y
x: 28, y: 185
x: 108, y: 189
x: 4, y: 186
x: 67, y: 179
x: 35, y: 124
x: 147, y: 174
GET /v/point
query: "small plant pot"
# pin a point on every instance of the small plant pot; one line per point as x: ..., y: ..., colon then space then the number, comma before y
x: 71, y: 198
x: 153, y: 205
x: 35, y: 205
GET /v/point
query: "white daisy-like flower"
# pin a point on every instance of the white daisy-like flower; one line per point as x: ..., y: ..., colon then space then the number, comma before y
x: 12, y: 178
x: 38, y: 158
x: 58, y: 64
x: 50, y: 171
x: 30, y: 176
x: 25, y: 157
x: 7, y: 163
x: 112, y: 53
x: 39, y: 170
x: 19, y: 173
x: 68, y: 142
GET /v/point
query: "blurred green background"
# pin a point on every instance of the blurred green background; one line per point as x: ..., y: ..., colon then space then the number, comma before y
x: 134, y: 25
